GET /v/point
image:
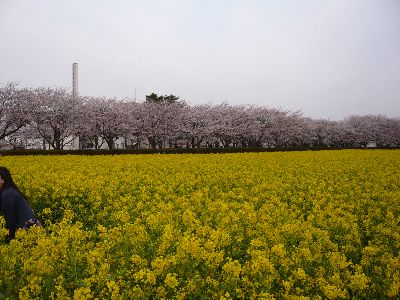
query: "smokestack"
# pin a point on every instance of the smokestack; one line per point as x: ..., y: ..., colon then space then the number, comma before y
x: 74, y: 80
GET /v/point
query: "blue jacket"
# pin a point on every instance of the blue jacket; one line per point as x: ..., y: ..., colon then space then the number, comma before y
x: 15, y: 209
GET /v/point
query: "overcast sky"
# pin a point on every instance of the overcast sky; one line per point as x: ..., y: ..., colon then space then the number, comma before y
x: 329, y: 59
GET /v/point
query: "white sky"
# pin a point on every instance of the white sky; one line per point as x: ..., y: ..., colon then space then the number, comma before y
x: 329, y: 59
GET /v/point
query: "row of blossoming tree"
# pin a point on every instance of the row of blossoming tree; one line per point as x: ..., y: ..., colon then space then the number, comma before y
x: 53, y: 116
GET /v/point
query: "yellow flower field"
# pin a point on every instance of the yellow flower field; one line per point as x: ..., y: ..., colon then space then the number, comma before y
x: 293, y: 225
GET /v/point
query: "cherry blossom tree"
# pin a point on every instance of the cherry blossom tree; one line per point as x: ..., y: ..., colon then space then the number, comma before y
x: 322, y: 132
x: 226, y: 123
x: 299, y: 130
x: 26, y: 138
x: 14, y: 109
x: 394, y: 129
x: 342, y: 135
x: 131, y: 131
x: 195, y: 125
x: 285, y: 126
x: 159, y: 122
x: 107, y: 121
x: 383, y: 130
x: 256, y: 121
x: 368, y: 129
x: 57, y: 116
x: 91, y: 134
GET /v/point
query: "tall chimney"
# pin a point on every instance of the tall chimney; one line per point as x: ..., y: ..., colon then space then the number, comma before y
x: 74, y: 80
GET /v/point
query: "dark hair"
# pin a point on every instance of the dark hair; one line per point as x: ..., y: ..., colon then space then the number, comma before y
x: 8, y: 181
x: 6, y: 175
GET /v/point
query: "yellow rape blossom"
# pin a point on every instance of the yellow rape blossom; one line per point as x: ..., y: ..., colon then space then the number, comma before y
x: 171, y: 280
x: 290, y: 225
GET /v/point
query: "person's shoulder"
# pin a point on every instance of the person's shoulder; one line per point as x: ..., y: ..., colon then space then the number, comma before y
x: 9, y: 193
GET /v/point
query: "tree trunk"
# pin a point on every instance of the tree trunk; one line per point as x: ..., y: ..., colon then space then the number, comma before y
x: 110, y: 143
x: 152, y: 142
x: 57, y: 139
x: 193, y: 142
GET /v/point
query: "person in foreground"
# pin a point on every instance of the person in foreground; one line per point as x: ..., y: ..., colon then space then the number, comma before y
x: 14, y: 206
